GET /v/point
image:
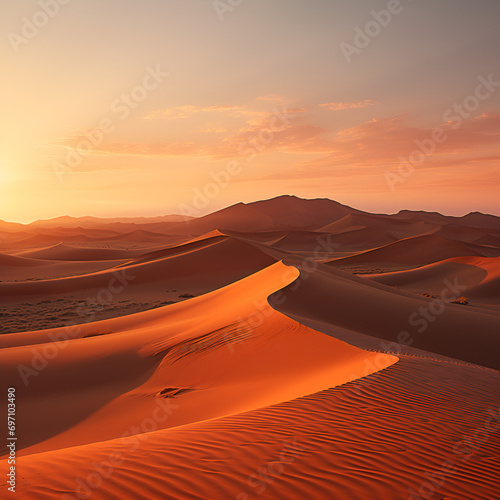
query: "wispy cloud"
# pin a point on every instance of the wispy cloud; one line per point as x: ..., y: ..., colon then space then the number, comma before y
x: 190, y: 110
x: 377, y: 144
x: 275, y: 98
x: 339, y: 105
x: 366, y: 149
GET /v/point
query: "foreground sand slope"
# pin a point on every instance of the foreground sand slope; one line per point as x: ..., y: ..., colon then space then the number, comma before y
x: 354, y: 303
x: 97, y: 381
x: 407, y: 432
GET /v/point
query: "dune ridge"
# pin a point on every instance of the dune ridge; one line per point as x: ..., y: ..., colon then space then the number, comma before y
x: 294, y: 360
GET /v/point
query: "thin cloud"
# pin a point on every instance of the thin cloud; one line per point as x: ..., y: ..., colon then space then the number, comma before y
x: 339, y: 105
x: 373, y: 147
x: 190, y: 110
x: 278, y: 99
x: 366, y: 149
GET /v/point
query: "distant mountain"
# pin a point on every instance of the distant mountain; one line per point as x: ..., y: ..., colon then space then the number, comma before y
x: 283, y: 212
x: 10, y: 227
x: 478, y: 219
x: 473, y: 219
x: 126, y: 223
x: 276, y: 214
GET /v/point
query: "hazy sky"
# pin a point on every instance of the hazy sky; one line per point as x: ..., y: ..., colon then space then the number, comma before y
x: 317, y: 98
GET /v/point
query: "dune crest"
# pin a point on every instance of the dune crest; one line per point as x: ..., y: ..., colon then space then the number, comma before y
x: 210, y: 360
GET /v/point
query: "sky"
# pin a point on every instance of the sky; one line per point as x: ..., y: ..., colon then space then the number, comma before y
x: 143, y: 108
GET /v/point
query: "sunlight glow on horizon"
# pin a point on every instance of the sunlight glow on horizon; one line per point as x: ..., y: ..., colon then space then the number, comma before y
x: 94, y: 126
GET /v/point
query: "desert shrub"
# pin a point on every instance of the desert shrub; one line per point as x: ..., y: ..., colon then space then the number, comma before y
x: 461, y: 300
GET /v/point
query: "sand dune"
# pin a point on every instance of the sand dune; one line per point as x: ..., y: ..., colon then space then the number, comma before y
x: 489, y: 240
x: 105, y: 289
x: 210, y: 234
x: 16, y: 268
x: 478, y: 275
x: 189, y: 246
x: 461, y: 233
x: 301, y: 241
x: 61, y: 251
x: 357, y: 304
x: 13, y: 236
x: 7, y: 260
x: 68, y: 232
x: 50, y: 236
x: 211, y: 266
x: 42, y: 239
x: 221, y: 357
x: 347, y: 223
x: 338, y: 243
x: 384, y: 436
x: 364, y: 238
x: 394, y: 227
x: 416, y: 250
x: 210, y: 357
x: 390, y: 431
x: 141, y: 236
x: 266, y: 237
x: 487, y: 251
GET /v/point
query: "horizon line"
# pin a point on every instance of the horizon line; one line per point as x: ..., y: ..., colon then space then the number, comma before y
x: 238, y: 203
